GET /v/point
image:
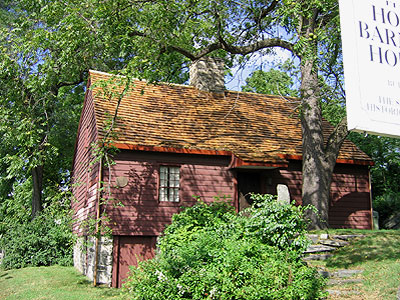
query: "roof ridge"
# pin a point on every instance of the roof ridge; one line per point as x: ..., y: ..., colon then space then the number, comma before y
x: 143, y: 80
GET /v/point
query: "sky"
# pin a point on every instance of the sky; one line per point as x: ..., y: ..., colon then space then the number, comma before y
x: 258, y: 61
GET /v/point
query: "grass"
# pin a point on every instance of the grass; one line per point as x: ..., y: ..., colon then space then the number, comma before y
x: 48, y: 283
x: 378, y: 254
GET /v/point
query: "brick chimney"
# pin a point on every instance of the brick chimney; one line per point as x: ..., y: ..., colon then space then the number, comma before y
x: 207, y: 74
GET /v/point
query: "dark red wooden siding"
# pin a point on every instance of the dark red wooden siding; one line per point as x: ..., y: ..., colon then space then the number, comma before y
x: 290, y: 176
x: 85, y: 175
x: 350, y: 193
x: 350, y: 205
x: 141, y: 213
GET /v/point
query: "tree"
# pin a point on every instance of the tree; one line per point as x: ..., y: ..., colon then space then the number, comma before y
x: 42, y: 72
x: 29, y: 102
x: 273, y: 82
x: 46, y: 50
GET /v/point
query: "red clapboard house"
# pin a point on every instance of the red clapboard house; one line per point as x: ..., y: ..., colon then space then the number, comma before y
x: 176, y: 142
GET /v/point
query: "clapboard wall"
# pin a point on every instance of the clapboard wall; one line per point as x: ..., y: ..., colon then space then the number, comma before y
x: 137, y: 210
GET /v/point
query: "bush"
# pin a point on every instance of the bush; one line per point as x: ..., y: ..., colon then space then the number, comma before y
x: 193, y: 219
x: 209, y: 252
x: 44, y: 241
x: 277, y: 224
x: 387, y: 205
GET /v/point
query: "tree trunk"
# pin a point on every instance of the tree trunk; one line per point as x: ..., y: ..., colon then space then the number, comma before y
x: 317, y: 167
x: 37, y: 179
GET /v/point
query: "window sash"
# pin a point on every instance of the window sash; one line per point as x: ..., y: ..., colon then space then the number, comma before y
x: 169, y: 184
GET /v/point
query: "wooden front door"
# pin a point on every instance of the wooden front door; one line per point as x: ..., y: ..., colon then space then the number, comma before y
x: 130, y: 250
x: 248, y: 182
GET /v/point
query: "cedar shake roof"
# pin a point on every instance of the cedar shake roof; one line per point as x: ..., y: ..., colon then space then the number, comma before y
x: 255, y: 128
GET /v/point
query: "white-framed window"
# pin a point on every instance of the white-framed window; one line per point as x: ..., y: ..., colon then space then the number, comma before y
x: 169, y: 184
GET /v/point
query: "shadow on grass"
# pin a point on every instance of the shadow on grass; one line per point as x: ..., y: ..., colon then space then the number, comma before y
x: 103, y: 289
x: 112, y: 292
x: 83, y: 281
x: 374, y: 247
x: 6, y: 276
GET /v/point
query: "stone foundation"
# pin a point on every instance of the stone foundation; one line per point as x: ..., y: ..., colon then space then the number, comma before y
x: 84, y: 258
x: 1, y: 256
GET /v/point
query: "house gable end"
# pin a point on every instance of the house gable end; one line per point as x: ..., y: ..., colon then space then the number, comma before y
x: 84, y: 172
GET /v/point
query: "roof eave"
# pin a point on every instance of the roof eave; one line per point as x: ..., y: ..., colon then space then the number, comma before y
x: 338, y: 161
x: 236, y: 162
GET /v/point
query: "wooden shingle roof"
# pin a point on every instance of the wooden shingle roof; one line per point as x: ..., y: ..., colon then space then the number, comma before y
x: 252, y: 127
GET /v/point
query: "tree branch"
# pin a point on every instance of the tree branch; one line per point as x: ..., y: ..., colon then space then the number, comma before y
x: 69, y: 83
x: 222, y: 44
x: 268, y: 43
x: 268, y: 10
x: 184, y: 52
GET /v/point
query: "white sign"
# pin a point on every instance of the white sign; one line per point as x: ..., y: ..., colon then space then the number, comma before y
x: 371, y: 57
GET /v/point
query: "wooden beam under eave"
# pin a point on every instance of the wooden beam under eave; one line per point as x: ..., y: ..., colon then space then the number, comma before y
x: 338, y: 161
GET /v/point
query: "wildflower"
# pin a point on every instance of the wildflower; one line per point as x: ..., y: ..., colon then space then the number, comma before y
x: 181, y: 290
x: 213, y: 292
x: 161, y: 276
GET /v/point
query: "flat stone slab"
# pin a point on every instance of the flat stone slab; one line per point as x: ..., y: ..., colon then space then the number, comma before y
x: 313, y: 237
x: 344, y: 281
x: 317, y: 257
x: 324, y: 273
x: 332, y: 243
x: 319, y: 248
x: 341, y: 292
x: 347, y: 237
x: 346, y: 273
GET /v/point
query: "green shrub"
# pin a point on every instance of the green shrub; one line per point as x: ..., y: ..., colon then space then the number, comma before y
x: 277, y: 224
x: 44, y: 241
x: 193, y: 219
x: 209, y: 252
x: 387, y: 205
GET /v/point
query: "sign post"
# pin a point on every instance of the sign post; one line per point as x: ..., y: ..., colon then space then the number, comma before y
x: 371, y: 57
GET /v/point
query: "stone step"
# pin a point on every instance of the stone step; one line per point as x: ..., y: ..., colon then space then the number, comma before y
x: 334, y: 243
x: 324, y: 273
x: 317, y: 257
x: 342, y: 292
x: 313, y: 237
x: 345, y: 273
x: 319, y: 248
x: 344, y: 281
x: 347, y: 237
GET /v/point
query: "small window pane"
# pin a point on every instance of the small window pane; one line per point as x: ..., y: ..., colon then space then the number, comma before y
x: 162, y: 194
x: 169, y: 184
x: 176, y: 195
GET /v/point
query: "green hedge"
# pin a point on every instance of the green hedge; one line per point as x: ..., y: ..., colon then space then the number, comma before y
x: 209, y: 252
x: 44, y: 241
